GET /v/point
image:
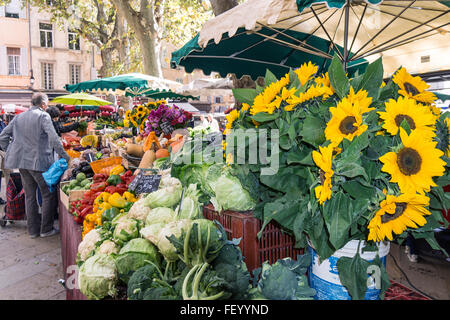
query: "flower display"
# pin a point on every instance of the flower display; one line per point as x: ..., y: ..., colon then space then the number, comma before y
x: 358, y: 158
x: 137, y: 117
x: 173, y: 115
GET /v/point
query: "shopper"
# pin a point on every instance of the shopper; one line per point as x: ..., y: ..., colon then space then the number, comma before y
x: 57, y: 123
x: 3, y: 126
x: 28, y: 141
x: 213, y: 124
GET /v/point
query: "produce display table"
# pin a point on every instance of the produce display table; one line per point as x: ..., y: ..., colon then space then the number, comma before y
x: 70, y: 233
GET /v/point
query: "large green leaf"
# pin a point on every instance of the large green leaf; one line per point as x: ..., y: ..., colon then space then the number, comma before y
x: 372, y: 79
x: 384, y: 282
x: 265, y: 117
x: 351, y: 170
x: 313, y: 130
x: 337, y: 213
x: 245, y: 95
x: 353, y: 275
x: 269, y: 78
x: 338, y: 78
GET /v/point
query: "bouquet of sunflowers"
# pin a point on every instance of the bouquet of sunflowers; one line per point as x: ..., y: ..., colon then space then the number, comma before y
x: 358, y: 160
x: 136, y: 117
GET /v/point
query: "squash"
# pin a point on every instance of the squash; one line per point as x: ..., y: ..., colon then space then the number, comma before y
x: 147, y: 160
x: 162, y: 153
x: 151, y: 138
x: 135, y: 150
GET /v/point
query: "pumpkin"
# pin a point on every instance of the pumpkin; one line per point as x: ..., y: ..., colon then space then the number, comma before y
x: 162, y: 153
x: 176, y: 146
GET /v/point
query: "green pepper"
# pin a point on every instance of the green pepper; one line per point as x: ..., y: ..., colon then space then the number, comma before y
x: 109, y: 214
x: 114, y: 180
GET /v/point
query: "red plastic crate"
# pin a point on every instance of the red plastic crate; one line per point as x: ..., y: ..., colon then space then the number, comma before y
x: 273, y: 244
x: 399, y: 292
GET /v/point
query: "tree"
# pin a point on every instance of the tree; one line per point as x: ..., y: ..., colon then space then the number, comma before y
x: 220, y: 6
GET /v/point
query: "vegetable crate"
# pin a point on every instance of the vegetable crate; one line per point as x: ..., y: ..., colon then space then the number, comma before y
x: 74, y: 195
x: 398, y: 292
x: 273, y: 244
x: 103, y: 163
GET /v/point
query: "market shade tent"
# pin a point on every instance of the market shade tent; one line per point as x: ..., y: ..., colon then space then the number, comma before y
x: 81, y: 99
x: 221, y: 86
x: 159, y: 94
x: 282, y: 34
x: 133, y: 83
x: 12, y: 108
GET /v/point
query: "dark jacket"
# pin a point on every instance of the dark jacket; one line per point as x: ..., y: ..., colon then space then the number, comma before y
x: 59, y: 128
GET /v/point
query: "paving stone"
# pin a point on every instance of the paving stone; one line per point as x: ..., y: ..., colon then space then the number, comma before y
x: 37, y: 287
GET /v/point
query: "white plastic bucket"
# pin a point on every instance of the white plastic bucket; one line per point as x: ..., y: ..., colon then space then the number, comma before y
x: 324, y: 277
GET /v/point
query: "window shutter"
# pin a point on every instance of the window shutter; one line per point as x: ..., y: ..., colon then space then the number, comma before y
x: 24, y: 62
x: 3, y: 61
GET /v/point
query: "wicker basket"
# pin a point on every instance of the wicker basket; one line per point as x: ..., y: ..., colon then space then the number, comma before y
x: 273, y: 244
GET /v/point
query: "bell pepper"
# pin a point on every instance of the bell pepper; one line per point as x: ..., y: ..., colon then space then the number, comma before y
x: 109, y: 214
x: 129, y: 196
x: 87, y: 210
x: 114, y: 180
x: 117, y: 170
x: 117, y: 201
x: 99, y: 187
x: 99, y: 177
x: 106, y: 195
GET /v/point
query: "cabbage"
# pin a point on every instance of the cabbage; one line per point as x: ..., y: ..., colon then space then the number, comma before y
x: 160, y: 215
x: 151, y: 232
x: 133, y: 255
x: 190, y: 206
x: 97, y: 277
x: 126, y: 229
x: 230, y: 195
x: 168, y: 196
x: 174, y: 228
x: 139, y: 210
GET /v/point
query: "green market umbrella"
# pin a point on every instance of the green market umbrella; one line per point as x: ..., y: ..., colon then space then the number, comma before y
x: 159, y: 94
x: 282, y: 34
x: 81, y: 99
x: 132, y: 82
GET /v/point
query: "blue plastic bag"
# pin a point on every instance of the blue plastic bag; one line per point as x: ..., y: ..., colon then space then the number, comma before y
x: 53, y: 175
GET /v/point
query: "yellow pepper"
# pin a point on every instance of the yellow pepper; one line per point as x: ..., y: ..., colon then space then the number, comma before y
x: 116, y: 200
x: 105, y: 196
x: 117, y: 170
x: 129, y: 196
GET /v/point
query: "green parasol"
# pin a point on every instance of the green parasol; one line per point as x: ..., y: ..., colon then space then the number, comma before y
x: 282, y: 34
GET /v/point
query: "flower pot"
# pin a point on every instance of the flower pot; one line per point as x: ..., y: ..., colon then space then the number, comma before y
x: 324, y: 277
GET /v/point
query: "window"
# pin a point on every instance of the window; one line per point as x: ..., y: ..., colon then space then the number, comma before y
x: 13, y: 61
x: 46, y: 34
x: 47, y: 76
x: 12, y: 9
x: 11, y: 15
x: 74, y: 40
x: 179, y: 80
x: 218, y: 99
x: 74, y: 73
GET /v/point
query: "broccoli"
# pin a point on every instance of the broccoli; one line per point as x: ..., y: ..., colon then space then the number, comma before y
x: 284, y: 280
x: 140, y: 281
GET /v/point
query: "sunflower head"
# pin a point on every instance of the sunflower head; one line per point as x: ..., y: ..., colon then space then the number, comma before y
x: 268, y: 100
x: 346, y: 122
x: 417, y: 116
x: 323, y: 159
x: 413, y: 87
x: 396, y: 214
x: 414, y: 164
x: 305, y: 72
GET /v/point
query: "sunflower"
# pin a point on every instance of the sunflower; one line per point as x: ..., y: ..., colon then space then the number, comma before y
x: 128, y: 114
x: 362, y: 98
x: 140, y: 109
x: 324, y: 81
x: 415, y: 163
x: 245, y: 107
x: 323, y: 159
x: 266, y: 100
x: 311, y: 93
x: 305, y: 72
x: 346, y: 122
x: 413, y: 87
x: 396, y: 214
x: 419, y: 117
x: 231, y: 117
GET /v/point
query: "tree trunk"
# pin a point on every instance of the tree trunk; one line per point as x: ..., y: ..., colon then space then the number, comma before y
x: 146, y: 29
x: 107, y: 60
x: 220, y: 6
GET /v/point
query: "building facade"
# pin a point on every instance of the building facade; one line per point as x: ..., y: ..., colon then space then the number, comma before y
x: 38, y: 55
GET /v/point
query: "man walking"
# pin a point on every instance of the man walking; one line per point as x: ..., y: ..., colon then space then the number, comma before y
x: 29, y: 141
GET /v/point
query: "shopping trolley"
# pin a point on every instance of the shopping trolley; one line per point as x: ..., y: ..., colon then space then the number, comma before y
x: 15, y: 200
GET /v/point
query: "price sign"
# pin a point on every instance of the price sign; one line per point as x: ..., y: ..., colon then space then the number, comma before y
x: 166, y: 127
x: 145, y: 183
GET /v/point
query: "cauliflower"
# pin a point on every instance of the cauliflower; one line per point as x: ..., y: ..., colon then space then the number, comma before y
x: 151, y: 232
x: 139, y: 210
x: 126, y: 229
x: 88, y: 244
x: 108, y: 247
x: 168, y: 181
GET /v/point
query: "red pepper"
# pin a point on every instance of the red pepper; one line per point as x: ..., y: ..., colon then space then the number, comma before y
x: 99, y: 177
x: 78, y: 219
x: 87, y: 210
x: 111, y: 189
x: 97, y: 187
